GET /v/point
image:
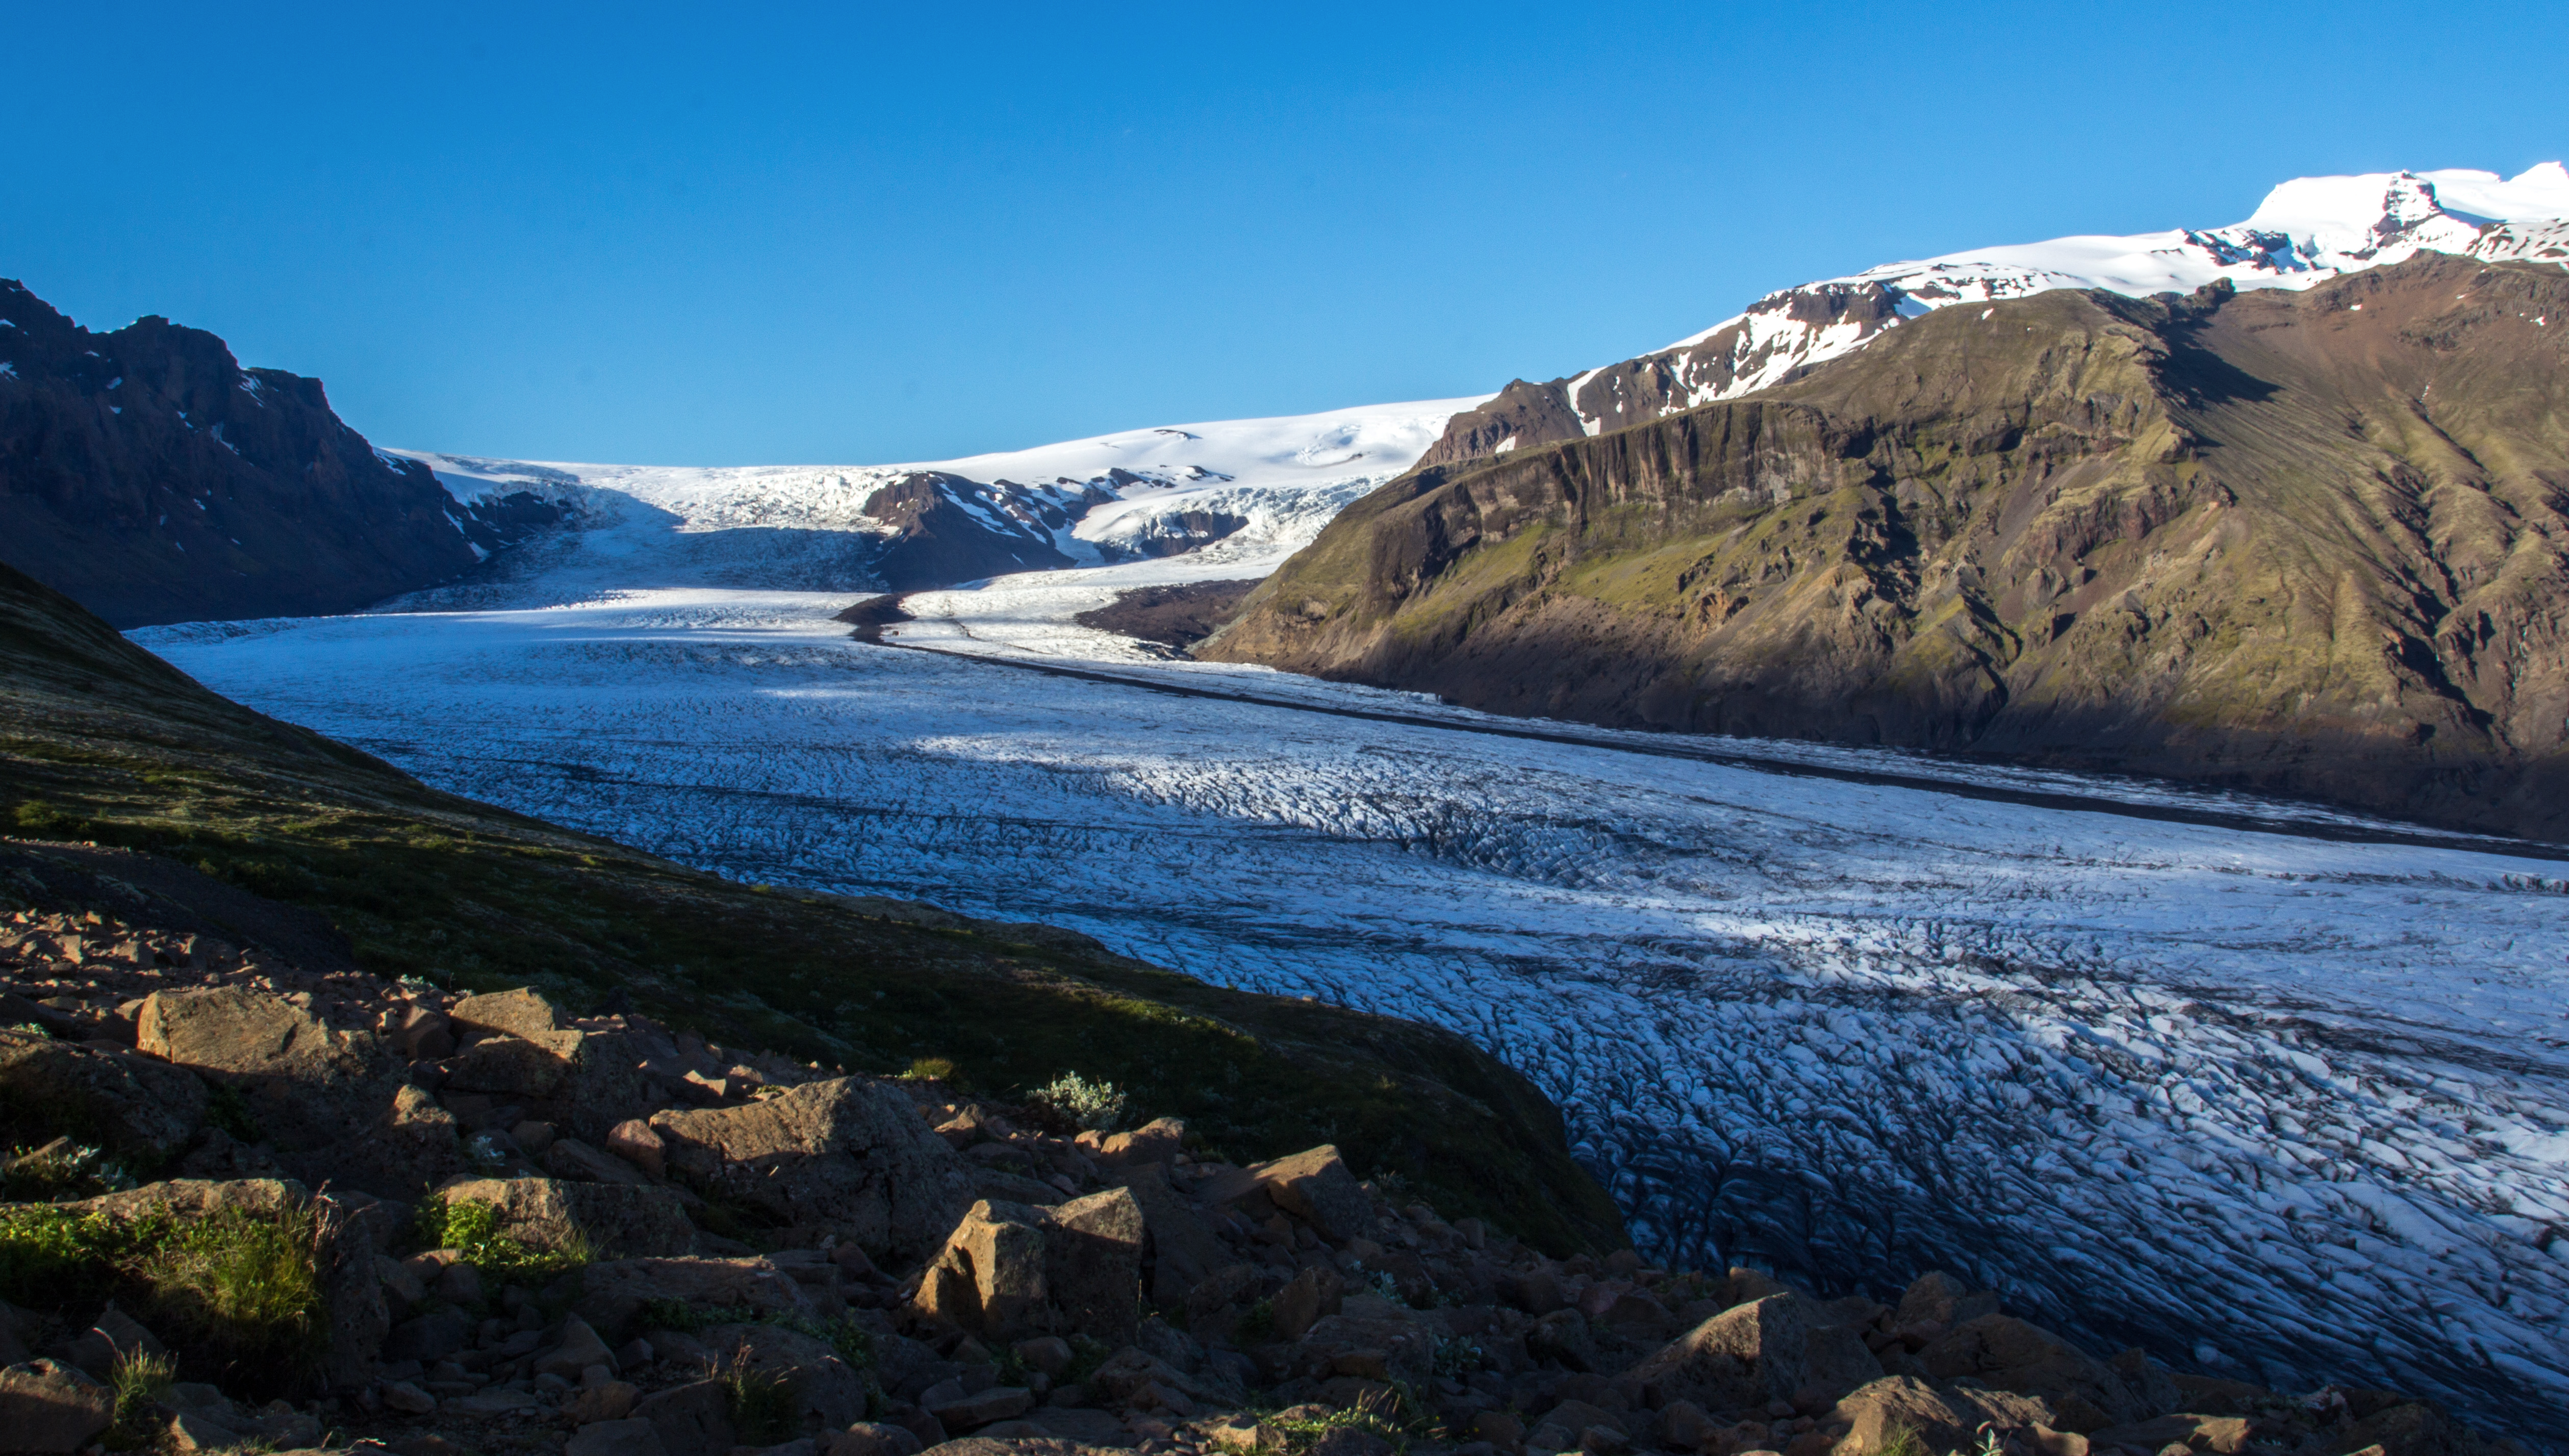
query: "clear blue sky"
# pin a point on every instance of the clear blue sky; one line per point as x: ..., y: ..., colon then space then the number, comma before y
x: 806, y: 233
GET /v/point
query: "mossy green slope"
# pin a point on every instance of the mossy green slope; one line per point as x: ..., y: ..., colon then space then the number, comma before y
x: 2309, y: 544
x: 100, y: 740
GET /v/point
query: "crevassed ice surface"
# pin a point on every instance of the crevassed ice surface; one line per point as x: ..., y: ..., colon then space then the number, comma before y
x: 2274, y: 1106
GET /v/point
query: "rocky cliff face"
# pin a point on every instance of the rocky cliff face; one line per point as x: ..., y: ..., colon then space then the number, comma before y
x: 2300, y: 542
x: 150, y: 477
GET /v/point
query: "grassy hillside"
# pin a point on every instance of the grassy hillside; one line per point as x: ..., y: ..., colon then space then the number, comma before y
x: 2300, y: 542
x: 100, y: 740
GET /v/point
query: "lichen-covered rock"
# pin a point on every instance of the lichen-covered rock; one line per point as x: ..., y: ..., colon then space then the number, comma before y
x: 141, y: 1110
x: 850, y: 1153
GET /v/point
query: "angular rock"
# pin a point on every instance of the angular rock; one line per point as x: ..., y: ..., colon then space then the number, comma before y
x: 409, y: 1399
x: 849, y: 1152
x: 1011, y: 1271
x: 628, y: 1437
x: 2007, y: 1353
x: 1765, y: 1351
x: 331, y: 1102
x: 1157, y: 1141
x: 570, y: 1158
x: 612, y: 1293
x: 522, y: 1012
x: 871, y: 1438
x: 691, y: 1420
x: 520, y: 1068
x: 1183, y: 1252
x: 958, y: 1411
x: 634, y: 1141
x: 422, y: 1034
x: 141, y: 1110
x: 1937, y: 1297
x: 2222, y: 1435
x: 826, y: 1388
x: 48, y: 1406
x: 1307, y: 1298
x: 1316, y: 1186
x: 196, y: 1431
x: 619, y: 1221
x: 580, y: 1348
x: 429, y: 1337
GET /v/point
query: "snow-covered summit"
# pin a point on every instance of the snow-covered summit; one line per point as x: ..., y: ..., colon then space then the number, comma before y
x: 1250, y: 490
x: 2305, y: 231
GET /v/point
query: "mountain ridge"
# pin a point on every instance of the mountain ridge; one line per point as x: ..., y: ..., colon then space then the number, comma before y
x: 2223, y: 537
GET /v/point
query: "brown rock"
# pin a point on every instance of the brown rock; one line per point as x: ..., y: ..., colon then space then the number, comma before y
x: 140, y: 1109
x: 634, y: 1141
x: 1157, y: 1141
x: 628, y: 1436
x: 1938, y: 1298
x: 617, y: 1221
x: 2411, y: 1428
x: 1012, y: 1270
x: 827, y: 1390
x: 612, y: 1293
x: 1767, y: 1349
x: 522, y: 1012
x: 849, y: 1152
x: 420, y: 1034
x: 690, y: 1420
x: 869, y: 1438
x: 2222, y: 1435
x: 1310, y: 1297
x: 1316, y: 1185
x: 2007, y: 1353
x: 1183, y: 1252
x: 574, y: 1159
x: 48, y: 1406
x: 520, y: 1068
x: 612, y: 1401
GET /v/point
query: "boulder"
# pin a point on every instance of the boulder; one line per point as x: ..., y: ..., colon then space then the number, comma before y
x: 1316, y: 1187
x: 2221, y: 1435
x: 691, y: 1420
x: 871, y: 1438
x: 1307, y: 1298
x: 2005, y: 1352
x: 612, y: 1293
x: 578, y: 1349
x: 522, y: 1069
x: 143, y: 1111
x: 1157, y: 1141
x: 1765, y: 1351
x: 331, y: 1102
x: 826, y: 1388
x: 849, y: 1152
x: 112, y: 1338
x: 630, y: 1438
x: 1937, y: 1297
x: 1181, y: 1253
x: 619, y: 1221
x: 1013, y: 1270
x: 48, y: 1406
x: 2410, y: 1428
x: 574, y: 1159
x: 634, y: 1141
x: 522, y: 1012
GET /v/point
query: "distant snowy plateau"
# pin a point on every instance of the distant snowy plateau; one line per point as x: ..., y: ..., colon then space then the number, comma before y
x: 2276, y: 1091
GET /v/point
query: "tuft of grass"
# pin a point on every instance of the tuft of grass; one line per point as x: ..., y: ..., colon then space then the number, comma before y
x: 761, y: 1401
x: 138, y: 1379
x: 1903, y: 1439
x: 933, y: 1070
x: 1098, y: 1106
x: 244, y: 1291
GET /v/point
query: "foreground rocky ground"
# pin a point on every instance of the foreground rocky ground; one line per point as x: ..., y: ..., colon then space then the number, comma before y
x: 254, y: 1206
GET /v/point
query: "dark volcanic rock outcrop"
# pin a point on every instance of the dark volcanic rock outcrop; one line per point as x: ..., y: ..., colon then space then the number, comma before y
x: 942, y: 528
x: 147, y: 475
x: 2299, y: 542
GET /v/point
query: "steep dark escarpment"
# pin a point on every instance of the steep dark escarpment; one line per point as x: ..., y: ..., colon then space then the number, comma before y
x: 2300, y: 542
x: 941, y: 529
x: 150, y: 477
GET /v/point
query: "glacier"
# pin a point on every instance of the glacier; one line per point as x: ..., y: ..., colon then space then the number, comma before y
x: 2274, y: 1103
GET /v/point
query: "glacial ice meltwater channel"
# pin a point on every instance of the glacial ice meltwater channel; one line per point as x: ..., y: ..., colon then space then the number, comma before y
x: 2283, y: 1107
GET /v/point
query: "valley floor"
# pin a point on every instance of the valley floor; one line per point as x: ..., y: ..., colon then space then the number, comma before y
x: 2281, y: 1105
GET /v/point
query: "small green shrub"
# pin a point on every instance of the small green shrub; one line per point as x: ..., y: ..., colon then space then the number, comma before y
x: 1098, y: 1106
x: 472, y: 1229
x: 50, y: 1257
x: 60, y: 1172
x: 933, y: 1070
x: 1258, y: 1326
x: 676, y: 1314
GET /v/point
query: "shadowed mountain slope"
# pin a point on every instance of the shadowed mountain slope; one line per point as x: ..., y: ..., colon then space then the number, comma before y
x: 2308, y: 544
x: 101, y: 742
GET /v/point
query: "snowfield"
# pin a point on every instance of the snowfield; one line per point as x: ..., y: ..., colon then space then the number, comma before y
x: 2280, y: 1106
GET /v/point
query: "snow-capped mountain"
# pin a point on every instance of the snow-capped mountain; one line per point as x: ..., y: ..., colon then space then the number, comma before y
x: 1239, y: 491
x: 2305, y: 231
